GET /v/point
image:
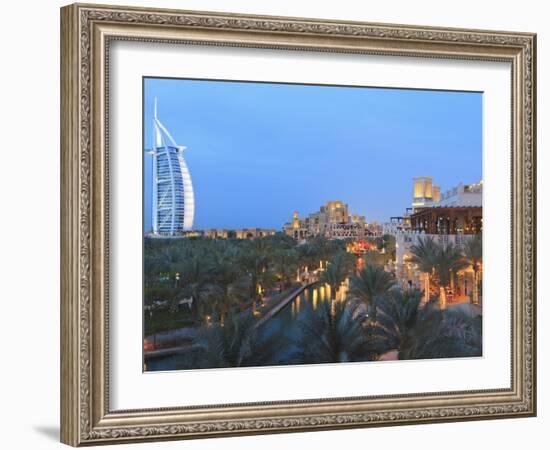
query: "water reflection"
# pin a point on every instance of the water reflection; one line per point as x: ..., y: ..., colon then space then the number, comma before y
x: 314, y: 296
x: 315, y: 293
x: 287, y: 320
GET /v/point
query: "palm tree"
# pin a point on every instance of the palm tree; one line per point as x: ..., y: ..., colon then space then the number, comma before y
x: 256, y: 267
x: 281, y: 240
x: 376, y: 258
x: 450, y: 334
x: 441, y: 261
x: 473, y: 253
x: 463, y: 331
x: 227, y: 274
x: 285, y: 264
x: 322, y: 247
x: 370, y: 282
x: 336, y: 272
x: 424, y: 255
x: 449, y: 261
x: 399, y: 314
x: 307, y: 255
x: 197, y: 274
x: 331, y: 333
x: 419, y: 331
x: 262, y: 247
x: 240, y: 343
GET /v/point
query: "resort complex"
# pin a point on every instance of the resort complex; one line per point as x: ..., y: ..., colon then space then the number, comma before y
x: 326, y: 287
x: 452, y: 218
x: 333, y: 221
x: 220, y: 233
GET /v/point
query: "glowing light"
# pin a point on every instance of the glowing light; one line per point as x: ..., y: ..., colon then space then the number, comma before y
x: 315, y: 299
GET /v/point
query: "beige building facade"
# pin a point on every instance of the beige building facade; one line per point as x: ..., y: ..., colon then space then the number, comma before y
x: 333, y: 220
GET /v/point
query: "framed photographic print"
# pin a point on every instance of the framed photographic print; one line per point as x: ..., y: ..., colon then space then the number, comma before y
x: 276, y: 224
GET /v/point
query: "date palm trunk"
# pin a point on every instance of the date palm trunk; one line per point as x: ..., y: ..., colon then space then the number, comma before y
x: 426, y: 287
x: 476, y: 288
x: 442, y: 298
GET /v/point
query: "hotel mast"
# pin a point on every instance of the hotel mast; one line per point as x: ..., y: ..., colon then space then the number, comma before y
x: 173, y: 199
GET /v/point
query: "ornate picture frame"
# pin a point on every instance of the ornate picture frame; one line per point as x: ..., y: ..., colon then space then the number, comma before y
x: 87, y: 32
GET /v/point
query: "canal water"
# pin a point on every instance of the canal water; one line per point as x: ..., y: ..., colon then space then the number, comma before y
x: 285, y: 320
x: 310, y: 297
x: 288, y: 318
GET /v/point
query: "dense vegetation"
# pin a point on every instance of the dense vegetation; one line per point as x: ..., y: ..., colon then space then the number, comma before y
x: 229, y: 281
x: 222, y: 276
x: 442, y: 262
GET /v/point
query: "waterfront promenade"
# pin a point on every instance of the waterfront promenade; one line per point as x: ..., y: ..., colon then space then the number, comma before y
x: 162, y: 344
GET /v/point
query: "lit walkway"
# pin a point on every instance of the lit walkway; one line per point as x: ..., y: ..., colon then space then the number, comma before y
x: 283, y: 302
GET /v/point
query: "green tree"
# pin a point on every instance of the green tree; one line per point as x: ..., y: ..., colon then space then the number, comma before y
x: 386, y: 243
x: 473, y: 254
x: 239, y: 343
x: 440, y: 261
x: 419, y: 331
x: 389, y: 245
x: 255, y: 262
x: 424, y: 255
x: 227, y: 273
x: 196, y: 275
x: 338, y: 269
x: 307, y: 255
x: 376, y: 258
x: 370, y: 282
x: 449, y: 260
x: 285, y: 265
x: 331, y: 333
x: 322, y: 246
x: 325, y: 248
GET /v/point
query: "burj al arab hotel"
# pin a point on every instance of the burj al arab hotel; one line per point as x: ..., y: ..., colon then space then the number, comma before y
x: 173, y: 198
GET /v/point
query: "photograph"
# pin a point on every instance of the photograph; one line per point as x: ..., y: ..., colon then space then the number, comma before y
x: 296, y: 224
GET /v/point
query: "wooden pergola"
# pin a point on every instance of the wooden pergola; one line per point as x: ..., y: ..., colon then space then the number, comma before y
x: 448, y: 220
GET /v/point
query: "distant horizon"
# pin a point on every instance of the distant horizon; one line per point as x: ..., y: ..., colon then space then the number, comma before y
x: 301, y: 215
x: 259, y: 151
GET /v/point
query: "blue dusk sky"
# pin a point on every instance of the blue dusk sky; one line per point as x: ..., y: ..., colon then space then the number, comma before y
x: 259, y: 151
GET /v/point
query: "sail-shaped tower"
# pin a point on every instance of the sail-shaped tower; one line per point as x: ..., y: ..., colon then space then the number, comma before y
x: 173, y: 198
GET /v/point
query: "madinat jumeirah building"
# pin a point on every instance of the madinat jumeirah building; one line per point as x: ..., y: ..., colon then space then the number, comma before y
x: 450, y: 217
x: 333, y: 221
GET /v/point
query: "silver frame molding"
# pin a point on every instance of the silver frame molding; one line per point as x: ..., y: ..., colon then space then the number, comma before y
x: 86, y: 33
